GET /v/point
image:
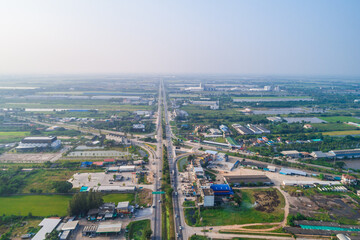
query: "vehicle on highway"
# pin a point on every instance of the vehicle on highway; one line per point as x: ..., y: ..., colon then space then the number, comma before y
x: 159, y: 201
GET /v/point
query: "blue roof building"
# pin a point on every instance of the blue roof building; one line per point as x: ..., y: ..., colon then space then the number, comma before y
x: 222, y: 189
x: 288, y: 171
x: 85, y: 164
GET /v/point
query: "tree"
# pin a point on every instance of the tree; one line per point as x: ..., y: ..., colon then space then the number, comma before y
x: 62, y: 186
x: 54, y: 235
x: 81, y: 203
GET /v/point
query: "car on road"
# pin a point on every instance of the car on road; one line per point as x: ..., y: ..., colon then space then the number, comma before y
x: 153, y: 206
x: 159, y: 201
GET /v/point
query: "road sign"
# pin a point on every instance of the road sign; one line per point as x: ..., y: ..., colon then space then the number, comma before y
x: 158, y: 192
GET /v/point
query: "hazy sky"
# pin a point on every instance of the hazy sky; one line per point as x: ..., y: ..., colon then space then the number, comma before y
x: 197, y: 36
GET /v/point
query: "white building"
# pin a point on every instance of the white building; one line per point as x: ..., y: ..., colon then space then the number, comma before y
x: 208, y: 197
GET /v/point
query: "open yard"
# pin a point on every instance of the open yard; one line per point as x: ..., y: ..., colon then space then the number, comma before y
x: 247, y: 212
x: 119, y: 197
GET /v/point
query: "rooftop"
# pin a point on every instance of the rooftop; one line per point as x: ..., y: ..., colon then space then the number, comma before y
x: 123, y: 205
x: 48, y: 225
x: 71, y: 225
x: 109, y: 228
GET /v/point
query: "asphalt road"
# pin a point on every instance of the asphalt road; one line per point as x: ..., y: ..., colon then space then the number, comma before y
x: 173, y: 173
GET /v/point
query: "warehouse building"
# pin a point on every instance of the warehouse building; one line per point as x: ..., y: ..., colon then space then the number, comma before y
x: 288, y: 171
x: 239, y: 180
x: 348, y: 153
x: 39, y: 143
x: 47, y: 226
x: 309, y: 183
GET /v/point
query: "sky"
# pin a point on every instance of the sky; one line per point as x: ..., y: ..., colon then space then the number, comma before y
x: 304, y: 37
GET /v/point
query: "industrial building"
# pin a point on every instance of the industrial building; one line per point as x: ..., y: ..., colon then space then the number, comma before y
x: 239, y: 180
x: 39, y: 143
x: 224, y: 129
x: 123, y: 208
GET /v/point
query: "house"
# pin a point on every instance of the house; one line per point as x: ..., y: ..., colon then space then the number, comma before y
x: 139, y: 127
x: 348, y: 180
x: 123, y: 208
x: 308, y: 126
x: 106, y: 211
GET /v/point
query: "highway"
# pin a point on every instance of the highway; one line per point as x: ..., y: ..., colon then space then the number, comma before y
x: 173, y: 172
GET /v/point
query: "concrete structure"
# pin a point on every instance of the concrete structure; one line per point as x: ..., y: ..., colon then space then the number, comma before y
x: 208, y: 197
x: 47, y: 226
x: 40, y: 143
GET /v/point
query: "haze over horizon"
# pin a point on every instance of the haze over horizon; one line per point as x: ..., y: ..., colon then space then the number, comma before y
x: 177, y: 37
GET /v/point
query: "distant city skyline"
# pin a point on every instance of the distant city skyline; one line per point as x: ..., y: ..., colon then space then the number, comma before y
x: 180, y: 37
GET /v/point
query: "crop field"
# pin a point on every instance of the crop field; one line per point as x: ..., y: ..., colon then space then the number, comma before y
x: 341, y: 119
x: 328, y: 127
x: 342, y: 133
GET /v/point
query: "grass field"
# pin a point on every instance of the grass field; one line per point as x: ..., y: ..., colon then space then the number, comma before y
x: 327, y: 127
x: 47, y: 205
x: 119, y: 197
x: 231, y: 215
x: 182, y: 163
x: 279, y: 97
x: 38, y: 205
x: 342, y: 133
x: 7, y: 137
x: 341, y: 119
x: 137, y: 229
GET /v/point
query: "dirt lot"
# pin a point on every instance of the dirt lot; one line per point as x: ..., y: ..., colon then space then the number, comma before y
x: 145, y: 197
x: 266, y: 201
x: 29, y: 157
x: 325, y: 207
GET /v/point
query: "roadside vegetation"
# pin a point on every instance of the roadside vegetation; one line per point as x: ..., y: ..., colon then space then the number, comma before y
x: 139, y: 230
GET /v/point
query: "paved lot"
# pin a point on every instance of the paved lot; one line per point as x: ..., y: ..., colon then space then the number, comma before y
x: 94, y: 179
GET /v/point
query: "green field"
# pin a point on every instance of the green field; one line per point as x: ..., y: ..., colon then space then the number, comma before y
x: 137, y: 229
x: 119, y: 197
x: 7, y: 137
x: 341, y: 119
x: 37, y: 205
x: 279, y: 97
x: 342, y: 133
x: 47, y: 205
x: 231, y: 215
x: 333, y: 126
